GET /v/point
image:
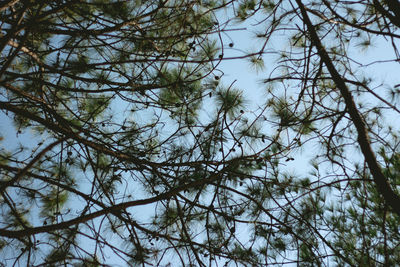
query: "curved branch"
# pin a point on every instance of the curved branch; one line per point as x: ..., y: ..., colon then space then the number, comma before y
x: 384, y: 188
x: 107, y: 210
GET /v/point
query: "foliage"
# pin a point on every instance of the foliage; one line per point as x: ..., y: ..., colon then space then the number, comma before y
x: 128, y: 147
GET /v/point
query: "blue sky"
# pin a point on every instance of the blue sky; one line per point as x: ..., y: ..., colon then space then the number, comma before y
x: 244, y: 77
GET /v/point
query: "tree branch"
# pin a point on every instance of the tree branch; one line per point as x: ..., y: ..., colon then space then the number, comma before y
x: 390, y: 197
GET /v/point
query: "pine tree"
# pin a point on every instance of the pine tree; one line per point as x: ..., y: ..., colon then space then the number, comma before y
x: 128, y: 147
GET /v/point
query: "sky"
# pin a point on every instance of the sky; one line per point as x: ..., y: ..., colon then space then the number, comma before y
x: 240, y: 73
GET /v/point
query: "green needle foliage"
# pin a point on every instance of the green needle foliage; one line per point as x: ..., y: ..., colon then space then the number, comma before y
x: 124, y: 143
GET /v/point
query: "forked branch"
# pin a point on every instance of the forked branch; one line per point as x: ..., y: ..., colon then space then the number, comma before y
x: 384, y: 188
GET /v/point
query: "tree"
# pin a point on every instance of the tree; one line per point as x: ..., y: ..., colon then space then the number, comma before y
x: 132, y: 150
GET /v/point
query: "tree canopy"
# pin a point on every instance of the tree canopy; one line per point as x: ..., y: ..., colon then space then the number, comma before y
x: 123, y: 142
